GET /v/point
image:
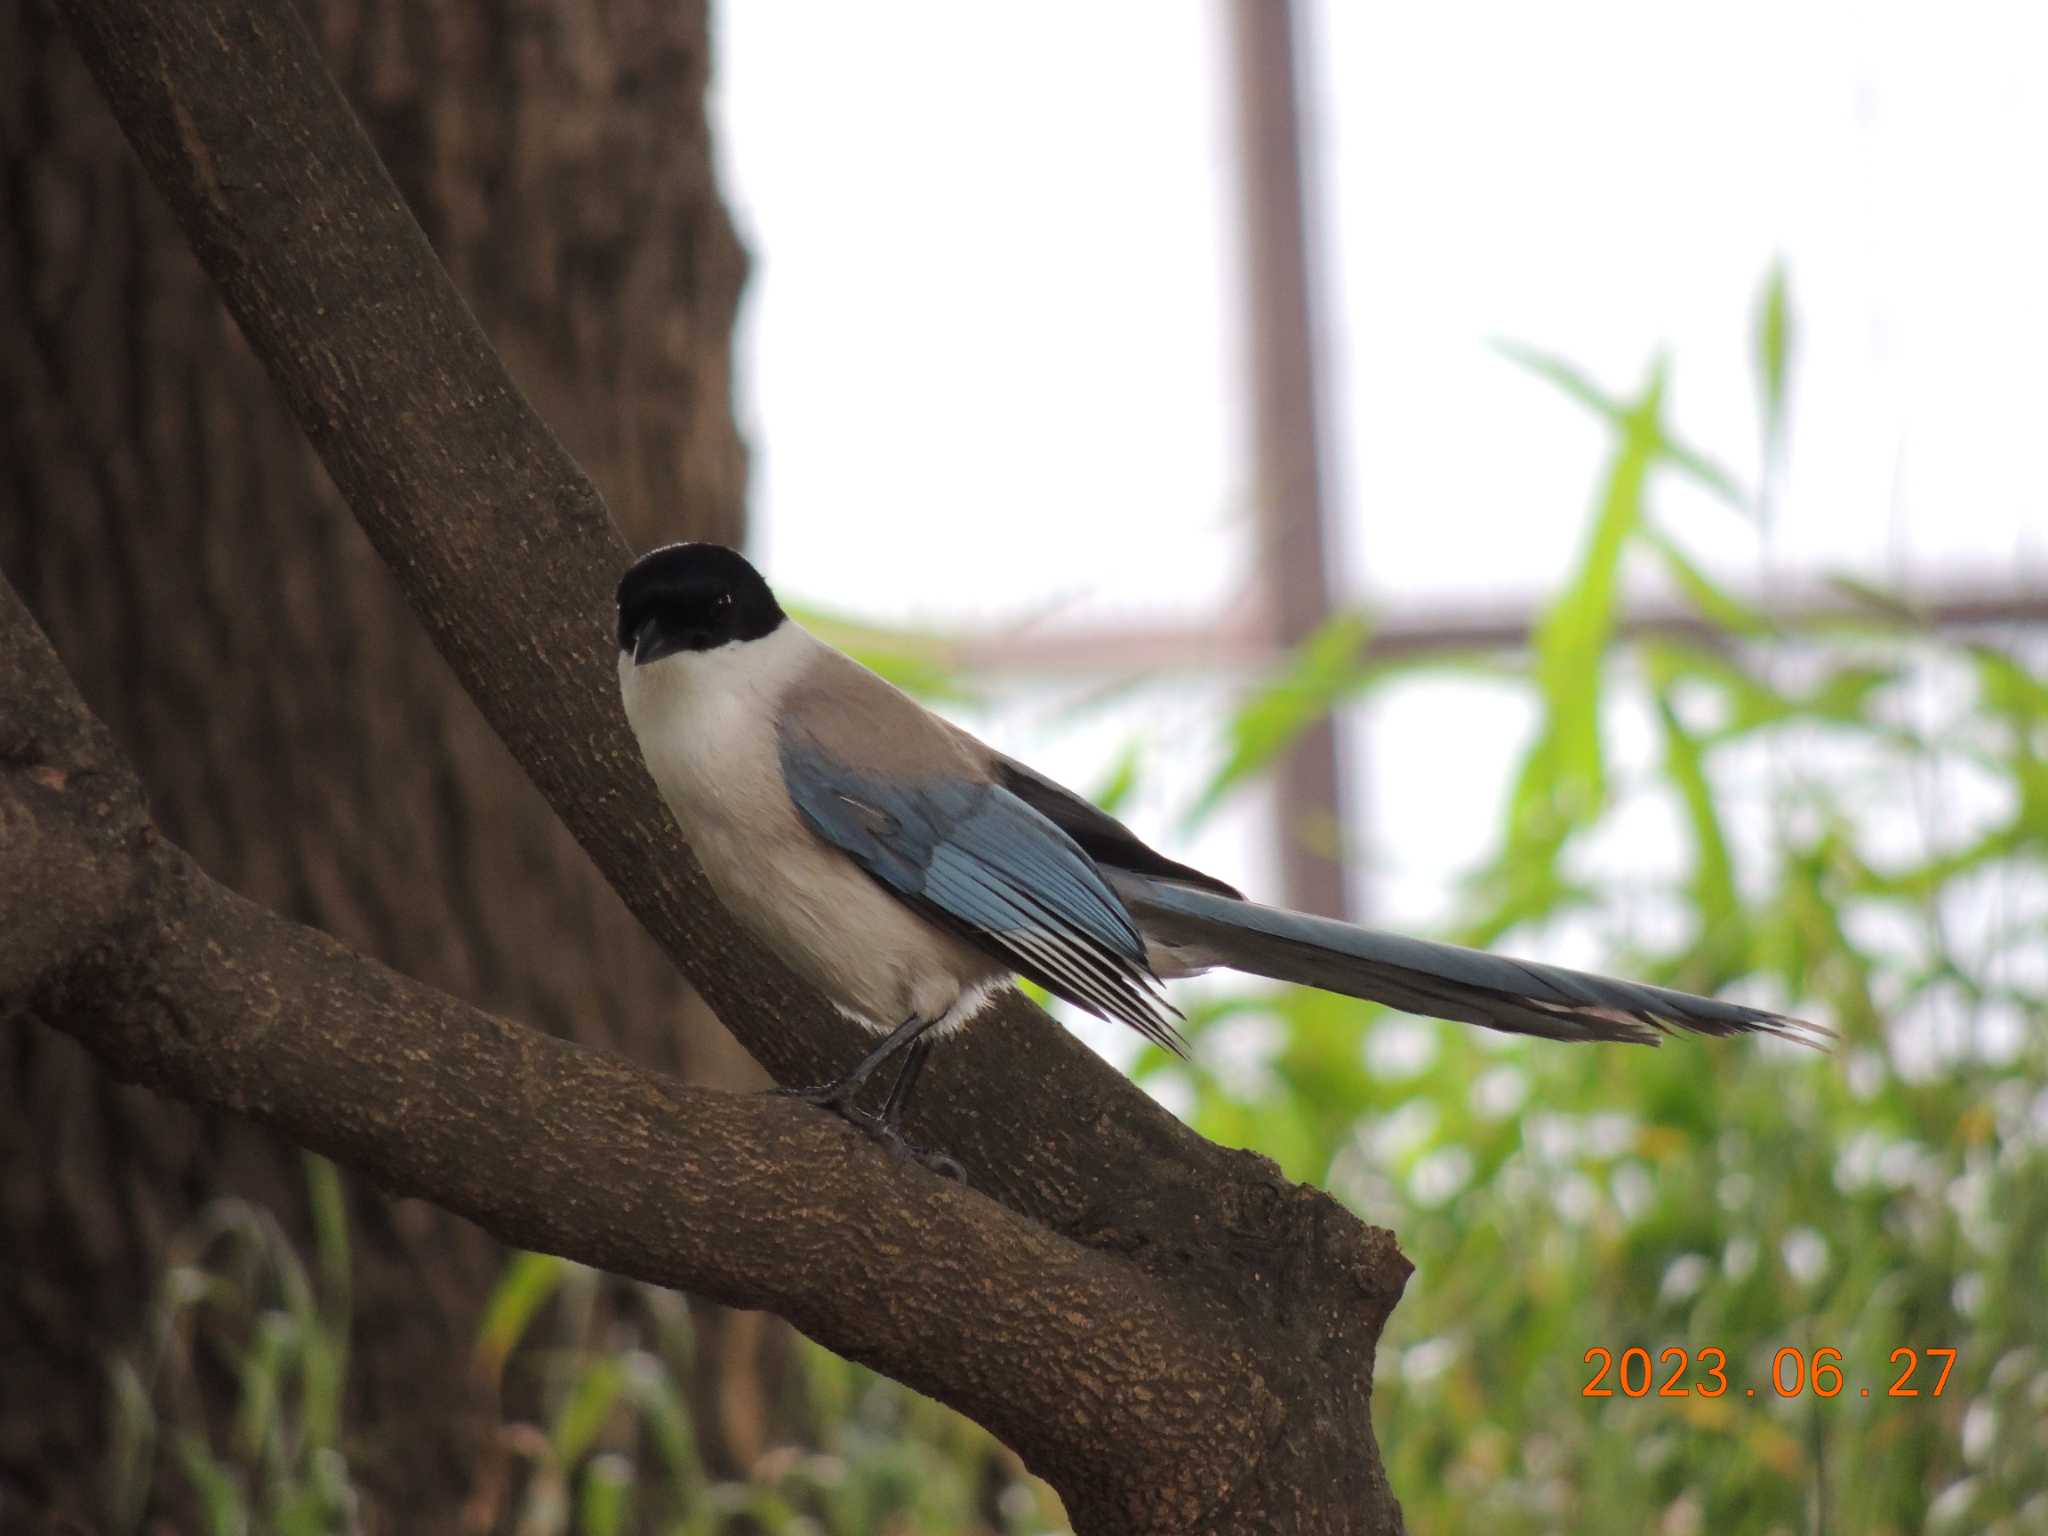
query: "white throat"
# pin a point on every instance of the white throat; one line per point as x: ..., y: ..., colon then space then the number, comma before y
x: 704, y: 716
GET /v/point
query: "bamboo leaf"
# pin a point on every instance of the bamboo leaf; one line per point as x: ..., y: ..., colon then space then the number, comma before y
x: 1322, y: 670
x: 327, y: 1202
x: 262, y: 1369
x: 1575, y: 384
x: 1712, y: 599
x: 1713, y: 871
x: 1888, y: 607
x: 605, y: 1496
x: 1564, y: 780
x: 529, y: 1280
x: 1122, y: 780
x: 220, y: 1493
x: 131, y: 1444
x: 589, y: 1405
x: 915, y: 663
x: 666, y: 1416
x: 1773, y: 354
x: 2007, y: 687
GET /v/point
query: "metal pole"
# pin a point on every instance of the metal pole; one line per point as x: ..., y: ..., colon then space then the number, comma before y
x: 1401, y: 633
x: 1294, y: 542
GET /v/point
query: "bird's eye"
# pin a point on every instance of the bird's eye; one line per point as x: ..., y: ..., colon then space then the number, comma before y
x: 722, y: 602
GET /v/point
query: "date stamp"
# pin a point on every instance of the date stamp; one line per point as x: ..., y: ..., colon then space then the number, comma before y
x: 1704, y: 1373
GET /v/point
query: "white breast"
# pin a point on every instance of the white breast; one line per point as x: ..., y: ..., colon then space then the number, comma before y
x: 706, y: 724
x: 706, y: 720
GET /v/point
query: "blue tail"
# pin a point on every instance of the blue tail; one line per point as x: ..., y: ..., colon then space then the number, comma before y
x: 1205, y: 928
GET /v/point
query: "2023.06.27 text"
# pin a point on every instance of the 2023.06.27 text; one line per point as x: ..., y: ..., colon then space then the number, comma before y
x: 1704, y: 1373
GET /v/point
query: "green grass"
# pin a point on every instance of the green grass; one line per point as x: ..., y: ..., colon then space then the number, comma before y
x: 239, y: 1297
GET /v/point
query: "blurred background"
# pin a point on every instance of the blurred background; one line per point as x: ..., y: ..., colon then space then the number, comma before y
x: 1628, y: 437
x: 1562, y: 478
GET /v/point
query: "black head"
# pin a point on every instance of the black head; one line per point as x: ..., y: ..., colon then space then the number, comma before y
x: 692, y: 597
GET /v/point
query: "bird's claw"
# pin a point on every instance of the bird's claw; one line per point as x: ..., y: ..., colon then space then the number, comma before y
x: 836, y: 1097
x: 937, y: 1162
x: 839, y: 1100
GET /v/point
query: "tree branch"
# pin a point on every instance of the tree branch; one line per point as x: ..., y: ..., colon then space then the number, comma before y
x: 113, y: 935
x: 503, y: 548
x: 507, y: 556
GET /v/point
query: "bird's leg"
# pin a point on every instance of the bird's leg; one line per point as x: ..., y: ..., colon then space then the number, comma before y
x: 839, y: 1094
x: 898, y: 1103
x: 886, y: 1127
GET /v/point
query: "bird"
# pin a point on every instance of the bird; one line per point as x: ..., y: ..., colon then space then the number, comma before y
x: 910, y: 872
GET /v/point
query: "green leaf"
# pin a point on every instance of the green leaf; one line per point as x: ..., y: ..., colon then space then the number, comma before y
x: 1712, y: 599
x: 327, y: 1202
x: 588, y: 1406
x: 605, y: 1496
x: 1690, y: 463
x: 1840, y: 696
x: 263, y: 1366
x: 1773, y: 354
x: 1888, y: 607
x: 915, y: 663
x: 1122, y: 781
x: 220, y: 1490
x: 2007, y: 687
x: 1322, y: 670
x: 323, y: 1378
x: 1563, y: 783
x: 1926, y: 879
x: 529, y: 1280
x: 1713, y: 871
x: 131, y: 1443
x: 1844, y: 694
x: 665, y: 1414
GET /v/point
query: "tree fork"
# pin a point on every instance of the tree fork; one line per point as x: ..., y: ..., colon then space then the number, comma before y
x: 457, y: 482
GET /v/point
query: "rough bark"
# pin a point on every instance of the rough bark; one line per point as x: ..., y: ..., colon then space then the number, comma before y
x: 1148, y: 1401
x: 114, y: 935
x: 222, y: 610
x: 507, y: 557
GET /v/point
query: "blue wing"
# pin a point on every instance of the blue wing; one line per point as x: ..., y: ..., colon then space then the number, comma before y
x: 980, y: 861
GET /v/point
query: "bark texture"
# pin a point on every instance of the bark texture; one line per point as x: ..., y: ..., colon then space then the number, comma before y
x: 171, y: 981
x: 298, y: 733
x: 448, y: 470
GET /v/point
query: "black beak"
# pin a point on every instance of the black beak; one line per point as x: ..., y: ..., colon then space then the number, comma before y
x: 650, y: 644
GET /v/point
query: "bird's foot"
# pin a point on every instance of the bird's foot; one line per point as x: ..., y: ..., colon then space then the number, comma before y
x: 836, y: 1096
x: 838, y: 1099
x: 901, y: 1145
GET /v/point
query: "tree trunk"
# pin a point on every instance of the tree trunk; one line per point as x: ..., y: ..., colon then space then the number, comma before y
x: 297, y: 731
x: 1175, y: 1336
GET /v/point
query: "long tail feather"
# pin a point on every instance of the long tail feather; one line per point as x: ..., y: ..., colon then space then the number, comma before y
x: 1439, y: 980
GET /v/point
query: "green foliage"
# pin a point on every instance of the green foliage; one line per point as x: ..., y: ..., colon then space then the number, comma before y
x: 238, y: 1298
x: 1323, y: 672
x: 1737, y: 1196
x: 911, y: 661
x: 1773, y: 358
x: 605, y: 1440
x: 621, y: 1451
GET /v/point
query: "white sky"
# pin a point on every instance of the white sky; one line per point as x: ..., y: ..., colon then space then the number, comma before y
x: 993, y: 322
x: 990, y: 353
